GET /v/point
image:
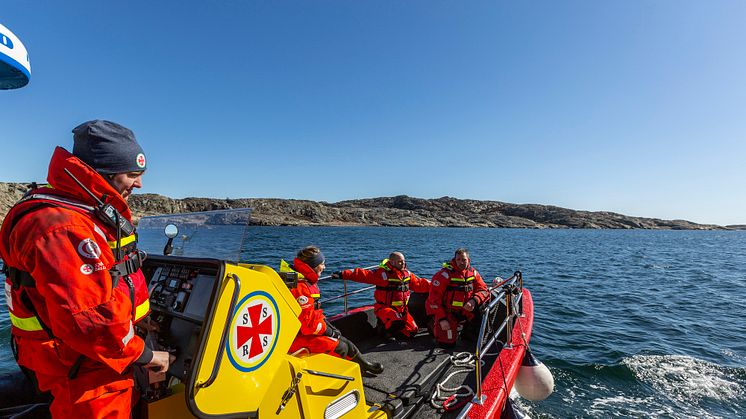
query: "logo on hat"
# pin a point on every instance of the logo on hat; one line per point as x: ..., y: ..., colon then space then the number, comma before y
x: 140, y: 161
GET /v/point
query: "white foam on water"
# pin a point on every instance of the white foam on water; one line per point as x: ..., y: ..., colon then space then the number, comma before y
x: 685, y: 379
x: 627, y: 406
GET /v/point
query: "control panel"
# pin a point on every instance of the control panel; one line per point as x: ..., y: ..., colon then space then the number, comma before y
x: 180, y: 290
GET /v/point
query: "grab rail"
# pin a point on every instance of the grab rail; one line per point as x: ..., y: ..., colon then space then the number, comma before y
x: 221, y: 346
x: 345, y: 294
x: 504, y: 295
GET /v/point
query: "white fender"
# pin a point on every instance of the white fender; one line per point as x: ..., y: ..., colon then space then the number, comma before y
x: 534, y: 381
x: 15, y: 68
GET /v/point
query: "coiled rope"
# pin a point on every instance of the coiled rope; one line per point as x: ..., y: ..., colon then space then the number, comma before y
x: 452, y: 398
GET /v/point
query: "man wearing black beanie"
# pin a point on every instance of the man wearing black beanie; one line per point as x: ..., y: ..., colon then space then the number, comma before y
x: 73, y: 299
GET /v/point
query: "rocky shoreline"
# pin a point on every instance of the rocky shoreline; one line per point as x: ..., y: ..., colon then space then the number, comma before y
x: 404, y: 211
x: 397, y: 211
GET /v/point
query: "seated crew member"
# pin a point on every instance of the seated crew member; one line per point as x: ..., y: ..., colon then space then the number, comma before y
x: 393, y: 283
x: 316, y: 335
x: 74, y: 286
x: 455, y: 292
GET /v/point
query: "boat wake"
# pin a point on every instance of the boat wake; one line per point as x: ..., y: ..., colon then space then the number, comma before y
x: 693, y: 386
x: 676, y: 386
x: 670, y: 386
x: 687, y: 379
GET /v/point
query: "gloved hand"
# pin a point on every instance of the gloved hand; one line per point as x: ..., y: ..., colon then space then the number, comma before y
x: 337, y: 275
x: 332, y: 332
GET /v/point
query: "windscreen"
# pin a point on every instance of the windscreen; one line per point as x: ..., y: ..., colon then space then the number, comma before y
x: 210, y: 234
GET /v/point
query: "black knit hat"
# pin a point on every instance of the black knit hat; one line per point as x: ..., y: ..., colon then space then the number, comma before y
x: 108, y: 147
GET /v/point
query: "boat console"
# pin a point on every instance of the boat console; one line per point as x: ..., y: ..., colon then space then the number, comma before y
x: 180, y: 293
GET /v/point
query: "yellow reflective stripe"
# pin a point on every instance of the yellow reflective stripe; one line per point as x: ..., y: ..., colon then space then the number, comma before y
x: 457, y: 280
x: 124, y: 241
x: 458, y: 304
x: 316, y: 295
x: 142, y: 310
x: 285, y: 267
x: 399, y: 280
x: 469, y: 279
x: 397, y: 303
x: 29, y: 324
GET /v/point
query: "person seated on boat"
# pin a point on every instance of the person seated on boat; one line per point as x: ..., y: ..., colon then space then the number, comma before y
x: 393, y: 282
x: 456, y: 291
x: 316, y: 334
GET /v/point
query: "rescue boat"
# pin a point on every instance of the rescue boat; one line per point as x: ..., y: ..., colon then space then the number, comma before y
x: 229, y: 325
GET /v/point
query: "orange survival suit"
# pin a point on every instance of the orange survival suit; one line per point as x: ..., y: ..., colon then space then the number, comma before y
x: 312, y: 336
x: 316, y: 335
x: 391, y: 295
x: 72, y: 303
x: 450, y: 289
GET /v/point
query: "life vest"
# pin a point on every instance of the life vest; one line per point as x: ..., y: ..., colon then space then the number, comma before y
x: 125, y: 272
x: 286, y: 268
x: 460, y: 288
x: 396, y: 293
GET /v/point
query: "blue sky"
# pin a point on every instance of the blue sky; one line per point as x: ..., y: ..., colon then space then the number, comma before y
x: 637, y: 107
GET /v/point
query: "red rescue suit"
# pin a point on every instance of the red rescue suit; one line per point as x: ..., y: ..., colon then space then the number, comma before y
x: 391, y: 295
x: 312, y: 336
x: 450, y: 289
x: 72, y: 323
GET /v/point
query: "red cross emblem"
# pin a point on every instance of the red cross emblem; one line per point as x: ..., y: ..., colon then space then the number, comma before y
x: 252, y: 333
x: 140, y: 160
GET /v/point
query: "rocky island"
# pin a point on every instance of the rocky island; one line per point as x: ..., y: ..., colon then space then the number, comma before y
x: 397, y: 211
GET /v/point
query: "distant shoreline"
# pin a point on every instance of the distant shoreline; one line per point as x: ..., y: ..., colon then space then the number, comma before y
x: 397, y: 211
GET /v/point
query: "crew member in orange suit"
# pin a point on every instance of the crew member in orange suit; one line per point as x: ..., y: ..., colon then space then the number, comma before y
x: 393, y: 282
x: 456, y: 291
x: 73, y: 284
x: 316, y: 335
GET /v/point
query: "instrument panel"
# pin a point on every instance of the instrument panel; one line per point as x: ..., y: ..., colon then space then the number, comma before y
x: 180, y: 290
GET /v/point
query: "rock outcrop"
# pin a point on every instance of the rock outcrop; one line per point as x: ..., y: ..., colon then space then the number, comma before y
x: 398, y: 211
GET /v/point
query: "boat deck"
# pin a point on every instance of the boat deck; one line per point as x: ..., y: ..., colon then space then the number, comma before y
x: 411, y: 371
x: 411, y: 368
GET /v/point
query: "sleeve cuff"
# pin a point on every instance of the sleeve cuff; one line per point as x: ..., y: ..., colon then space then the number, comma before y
x: 145, y: 357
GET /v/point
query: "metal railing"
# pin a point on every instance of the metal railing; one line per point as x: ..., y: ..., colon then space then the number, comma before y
x: 345, y: 294
x: 509, y: 293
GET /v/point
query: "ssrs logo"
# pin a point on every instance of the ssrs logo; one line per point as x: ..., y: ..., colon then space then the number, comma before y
x: 254, y: 331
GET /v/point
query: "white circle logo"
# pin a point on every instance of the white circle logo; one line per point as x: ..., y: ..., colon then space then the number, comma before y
x: 140, y: 160
x: 86, y: 269
x: 89, y: 249
x: 254, y: 331
x: 302, y: 300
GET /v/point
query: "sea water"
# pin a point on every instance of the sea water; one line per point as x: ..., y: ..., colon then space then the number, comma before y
x: 631, y: 323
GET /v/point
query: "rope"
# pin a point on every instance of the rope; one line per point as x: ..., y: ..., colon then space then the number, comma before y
x: 461, y: 394
x: 451, y: 398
